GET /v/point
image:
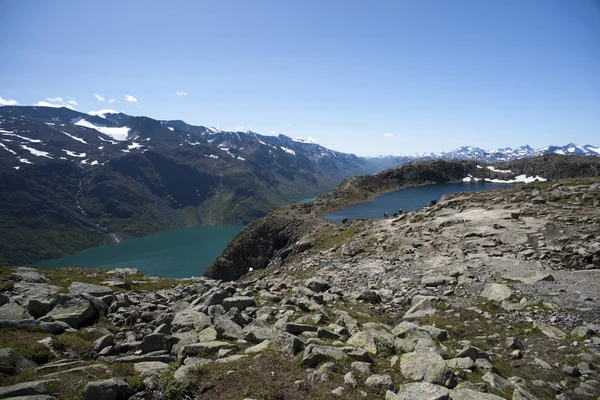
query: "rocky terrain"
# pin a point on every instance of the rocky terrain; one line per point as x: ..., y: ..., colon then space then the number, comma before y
x: 487, y: 295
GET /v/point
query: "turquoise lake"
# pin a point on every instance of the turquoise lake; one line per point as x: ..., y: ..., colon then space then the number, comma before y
x: 176, y: 254
x: 409, y: 199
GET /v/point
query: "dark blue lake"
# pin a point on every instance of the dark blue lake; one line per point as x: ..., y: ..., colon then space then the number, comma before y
x: 409, y: 199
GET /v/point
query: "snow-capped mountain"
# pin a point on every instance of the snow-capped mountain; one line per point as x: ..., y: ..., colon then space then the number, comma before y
x: 497, y: 155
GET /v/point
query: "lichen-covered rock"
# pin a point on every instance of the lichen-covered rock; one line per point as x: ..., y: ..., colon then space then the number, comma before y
x: 425, y: 366
x: 109, y: 389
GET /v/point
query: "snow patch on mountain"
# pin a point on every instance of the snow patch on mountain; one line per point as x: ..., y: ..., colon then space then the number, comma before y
x: 519, y: 179
x: 35, y: 152
x: 8, y: 133
x: 288, y: 150
x: 117, y: 133
x: 7, y: 149
x: 73, y: 154
x: 74, y: 137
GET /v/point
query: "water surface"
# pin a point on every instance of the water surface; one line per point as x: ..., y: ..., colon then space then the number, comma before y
x: 178, y: 254
x: 408, y: 199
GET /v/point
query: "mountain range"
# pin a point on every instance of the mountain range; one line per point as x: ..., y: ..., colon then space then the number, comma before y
x: 70, y: 180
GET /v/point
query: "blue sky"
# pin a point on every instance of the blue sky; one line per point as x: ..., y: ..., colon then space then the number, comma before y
x: 368, y: 77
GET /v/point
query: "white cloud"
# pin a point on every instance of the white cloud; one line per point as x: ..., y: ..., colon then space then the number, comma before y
x: 289, y: 125
x: 130, y: 98
x: 112, y: 101
x: 10, y: 102
x: 57, y: 102
x: 238, y: 129
x: 98, y: 97
x: 388, y: 134
x: 180, y: 93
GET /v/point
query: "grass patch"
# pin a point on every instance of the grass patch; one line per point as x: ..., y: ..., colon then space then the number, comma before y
x: 25, y: 342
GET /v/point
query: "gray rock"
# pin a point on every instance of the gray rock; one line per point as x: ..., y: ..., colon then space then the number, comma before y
x: 497, y: 292
x: 461, y: 363
x: 32, y: 388
x: 104, y: 341
x: 13, y: 312
x: 148, y: 369
x: 180, y: 339
x: 73, y: 310
x: 239, y: 302
x: 380, y: 383
x: 38, y: 308
x: 421, y: 306
x: 470, y: 394
x: 153, y: 342
x: 370, y: 296
x: 257, y: 332
x: 205, y: 348
x: 12, y: 362
x: 3, y: 299
x: 208, y: 335
x: 109, y: 389
x: 188, y: 320
x: 258, y: 348
x: 496, y: 382
x: 216, y: 297
x: 375, y: 342
x: 76, y: 288
x: 570, y: 370
x: 362, y: 367
x: 514, y: 343
x: 549, y: 330
x: 286, y: 343
x: 31, y: 275
x: 227, y: 329
x: 317, y: 285
x: 350, y: 380
x: 314, y: 354
x: 296, y: 329
x: 422, y: 391
x: 425, y: 366
x: 436, y: 280
x: 582, y: 332
x: 521, y: 394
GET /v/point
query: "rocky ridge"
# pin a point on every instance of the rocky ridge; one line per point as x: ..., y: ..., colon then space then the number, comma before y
x: 488, y: 295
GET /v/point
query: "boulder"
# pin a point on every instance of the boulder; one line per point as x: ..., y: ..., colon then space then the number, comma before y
x: 149, y: 369
x: 76, y: 288
x: 208, y: 335
x: 296, y: 329
x: 109, y: 389
x: 104, y: 341
x: 13, y: 312
x: 549, y: 330
x: 470, y: 394
x: 38, y: 308
x: 205, y: 348
x: 425, y: 366
x: 188, y: 320
x: 153, y: 342
x: 12, y: 362
x: 227, y: 329
x: 374, y: 341
x: 380, y: 383
x: 73, y: 310
x: 31, y: 388
x: 286, y: 343
x: 421, y: 306
x: 497, y: 292
x: 316, y: 353
x: 31, y: 275
x: 317, y: 284
x: 239, y: 302
x: 370, y: 296
x: 422, y: 391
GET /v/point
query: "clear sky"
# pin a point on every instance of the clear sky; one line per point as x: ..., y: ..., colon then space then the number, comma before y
x: 368, y: 77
